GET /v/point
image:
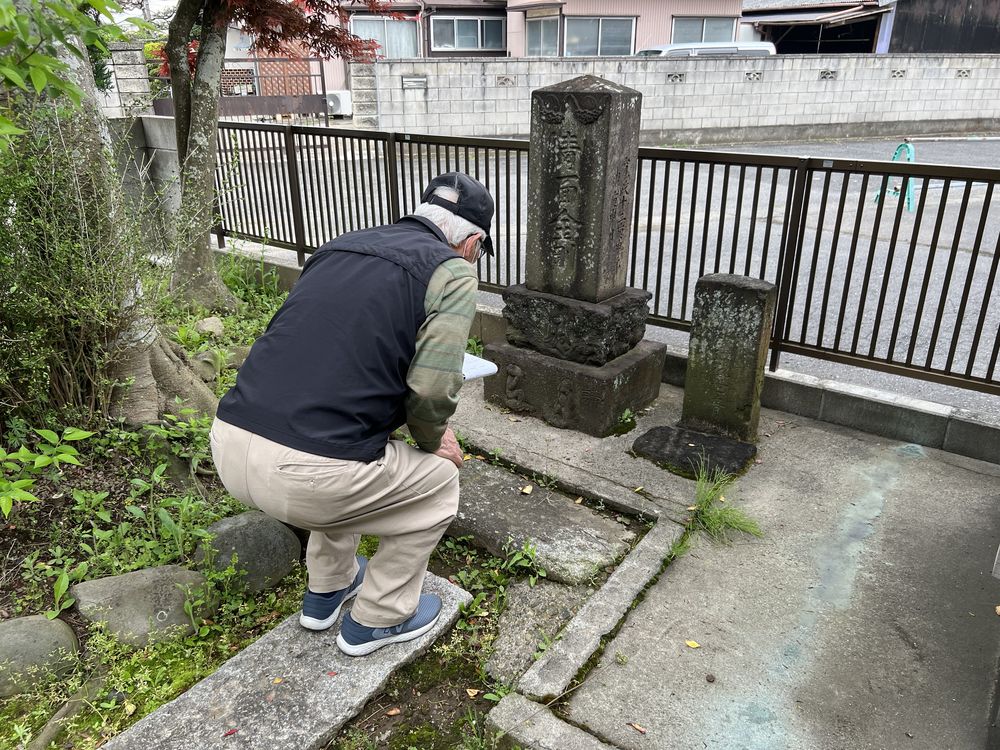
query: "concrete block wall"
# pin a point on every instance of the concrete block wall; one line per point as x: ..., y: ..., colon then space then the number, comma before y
x: 696, y: 100
x: 130, y: 92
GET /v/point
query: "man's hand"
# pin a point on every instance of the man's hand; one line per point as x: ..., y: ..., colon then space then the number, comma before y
x: 450, y: 449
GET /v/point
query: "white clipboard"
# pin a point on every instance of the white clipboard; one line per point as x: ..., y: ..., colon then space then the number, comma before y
x: 477, y: 367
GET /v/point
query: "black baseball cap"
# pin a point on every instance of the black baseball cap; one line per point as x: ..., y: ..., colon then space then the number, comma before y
x: 474, y: 204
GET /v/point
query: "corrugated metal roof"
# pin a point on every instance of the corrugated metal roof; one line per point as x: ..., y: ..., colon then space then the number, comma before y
x: 755, y: 5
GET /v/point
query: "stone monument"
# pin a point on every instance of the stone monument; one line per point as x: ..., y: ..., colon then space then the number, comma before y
x: 575, y: 354
x: 730, y: 333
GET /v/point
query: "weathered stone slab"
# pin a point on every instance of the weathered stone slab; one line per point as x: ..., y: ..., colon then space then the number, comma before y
x: 592, y: 333
x: 529, y: 623
x: 573, y: 395
x: 291, y: 689
x: 684, y: 451
x: 571, y: 541
x: 581, y: 182
x: 531, y: 726
x: 210, y: 327
x: 141, y: 606
x: 31, y: 648
x: 266, y: 549
x: 555, y: 669
x: 730, y: 332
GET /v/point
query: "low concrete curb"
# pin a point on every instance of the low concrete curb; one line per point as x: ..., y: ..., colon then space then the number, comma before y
x: 530, y: 726
x: 867, y: 409
x: 552, y: 673
x: 291, y: 689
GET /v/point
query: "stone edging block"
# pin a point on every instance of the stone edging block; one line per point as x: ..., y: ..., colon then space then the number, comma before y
x: 552, y: 673
x: 293, y: 688
x: 525, y: 724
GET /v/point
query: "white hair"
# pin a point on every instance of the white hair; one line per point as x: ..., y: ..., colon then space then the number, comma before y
x: 455, y: 228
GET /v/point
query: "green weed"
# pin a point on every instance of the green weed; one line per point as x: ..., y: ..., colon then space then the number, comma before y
x: 711, y: 514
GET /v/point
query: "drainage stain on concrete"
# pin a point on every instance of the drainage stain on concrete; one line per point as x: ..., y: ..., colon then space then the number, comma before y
x: 837, y: 563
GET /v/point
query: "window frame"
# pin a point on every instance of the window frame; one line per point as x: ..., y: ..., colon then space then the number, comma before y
x: 673, y: 27
x: 384, y: 20
x: 600, y: 19
x: 503, y: 34
x: 557, y: 20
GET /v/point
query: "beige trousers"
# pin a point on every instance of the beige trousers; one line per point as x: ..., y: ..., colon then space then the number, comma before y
x: 407, y: 498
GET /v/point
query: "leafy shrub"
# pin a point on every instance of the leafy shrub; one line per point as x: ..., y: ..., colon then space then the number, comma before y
x: 70, y: 264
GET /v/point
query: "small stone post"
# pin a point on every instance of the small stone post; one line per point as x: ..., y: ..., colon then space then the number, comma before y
x: 575, y: 354
x: 730, y: 332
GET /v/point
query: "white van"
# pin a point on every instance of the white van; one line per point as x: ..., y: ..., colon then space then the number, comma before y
x: 704, y: 49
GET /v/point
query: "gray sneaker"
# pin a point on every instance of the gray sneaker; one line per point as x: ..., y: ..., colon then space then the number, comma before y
x: 320, y: 611
x: 356, y: 639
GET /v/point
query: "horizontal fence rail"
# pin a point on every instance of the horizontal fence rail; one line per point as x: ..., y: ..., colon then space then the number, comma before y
x: 862, y: 279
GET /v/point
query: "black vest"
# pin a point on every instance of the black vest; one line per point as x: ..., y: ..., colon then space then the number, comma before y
x: 328, y: 376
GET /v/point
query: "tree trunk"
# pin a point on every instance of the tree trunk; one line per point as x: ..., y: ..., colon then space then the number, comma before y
x: 196, y: 109
x: 155, y: 369
x: 160, y: 381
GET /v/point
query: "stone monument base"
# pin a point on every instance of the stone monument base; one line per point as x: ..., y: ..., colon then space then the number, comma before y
x: 571, y: 395
x: 684, y: 452
x: 592, y: 333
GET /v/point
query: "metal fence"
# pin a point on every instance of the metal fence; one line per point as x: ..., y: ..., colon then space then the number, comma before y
x: 263, y: 88
x: 861, y: 279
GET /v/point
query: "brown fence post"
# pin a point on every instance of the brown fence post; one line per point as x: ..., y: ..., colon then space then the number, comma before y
x: 787, y: 263
x: 295, y: 187
x: 392, y: 177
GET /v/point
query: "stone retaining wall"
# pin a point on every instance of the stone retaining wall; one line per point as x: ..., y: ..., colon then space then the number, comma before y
x: 696, y: 100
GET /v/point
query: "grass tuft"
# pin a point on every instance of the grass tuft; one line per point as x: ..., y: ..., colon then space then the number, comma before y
x: 711, y: 515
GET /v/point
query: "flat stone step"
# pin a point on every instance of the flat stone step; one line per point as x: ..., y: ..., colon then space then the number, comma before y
x: 572, y: 542
x: 293, y: 688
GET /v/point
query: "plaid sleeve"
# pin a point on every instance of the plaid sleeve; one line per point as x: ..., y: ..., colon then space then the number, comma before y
x: 435, y: 374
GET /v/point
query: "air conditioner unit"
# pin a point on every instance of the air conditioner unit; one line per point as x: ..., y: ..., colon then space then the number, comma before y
x: 339, y: 102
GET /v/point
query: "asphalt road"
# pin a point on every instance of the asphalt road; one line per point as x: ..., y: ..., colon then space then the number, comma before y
x: 930, y: 278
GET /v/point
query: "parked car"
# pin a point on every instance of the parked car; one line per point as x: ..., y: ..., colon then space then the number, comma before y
x: 703, y: 49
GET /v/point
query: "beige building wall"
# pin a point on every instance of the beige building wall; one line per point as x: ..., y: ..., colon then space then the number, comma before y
x: 655, y: 17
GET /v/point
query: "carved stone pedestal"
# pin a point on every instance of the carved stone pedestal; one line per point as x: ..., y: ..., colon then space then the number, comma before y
x: 591, y: 333
x: 573, y: 395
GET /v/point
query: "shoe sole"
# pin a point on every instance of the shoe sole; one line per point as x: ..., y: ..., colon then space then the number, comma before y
x: 363, y: 649
x: 311, y: 623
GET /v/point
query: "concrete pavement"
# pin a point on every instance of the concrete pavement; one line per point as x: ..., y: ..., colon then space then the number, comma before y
x: 863, y: 619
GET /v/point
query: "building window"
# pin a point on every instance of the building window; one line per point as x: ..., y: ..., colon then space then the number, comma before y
x: 395, y: 38
x: 543, y: 37
x: 465, y: 33
x: 599, y: 36
x: 704, y: 30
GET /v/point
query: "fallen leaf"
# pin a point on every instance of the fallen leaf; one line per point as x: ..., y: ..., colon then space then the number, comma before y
x: 472, y: 692
x: 722, y: 498
x: 481, y: 458
x: 526, y: 490
x: 636, y: 727
x: 467, y: 457
x: 230, y: 733
x: 692, y: 507
x: 638, y: 489
x: 692, y: 644
x: 331, y: 674
x: 129, y: 708
x: 278, y: 680
x: 578, y: 501
x: 393, y: 712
